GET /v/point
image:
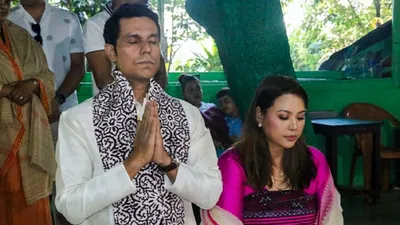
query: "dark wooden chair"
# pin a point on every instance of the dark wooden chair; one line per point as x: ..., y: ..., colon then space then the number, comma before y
x: 366, y: 111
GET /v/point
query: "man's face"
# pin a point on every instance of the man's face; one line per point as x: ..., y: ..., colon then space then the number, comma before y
x: 193, y: 93
x: 118, y: 3
x: 227, y: 105
x: 138, y: 48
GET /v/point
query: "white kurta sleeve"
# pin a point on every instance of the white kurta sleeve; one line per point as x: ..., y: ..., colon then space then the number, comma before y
x: 79, y: 194
x: 198, y: 181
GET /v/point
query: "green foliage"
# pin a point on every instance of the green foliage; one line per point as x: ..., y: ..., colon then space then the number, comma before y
x: 181, y: 29
x: 331, y: 25
x: 84, y: 9
x: 251, y: 40
x: 328, y: 26
x: 176, y: 33
x: 206, y: 62
x: 14, y: 2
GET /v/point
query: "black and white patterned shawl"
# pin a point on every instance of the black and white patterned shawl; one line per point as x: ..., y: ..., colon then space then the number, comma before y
x: 115, y: 122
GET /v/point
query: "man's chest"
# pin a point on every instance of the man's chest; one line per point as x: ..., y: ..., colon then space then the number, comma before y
x: 54, y: 30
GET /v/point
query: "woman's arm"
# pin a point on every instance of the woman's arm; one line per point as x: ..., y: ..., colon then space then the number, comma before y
x: 233, y: 180
x: 229, y: 209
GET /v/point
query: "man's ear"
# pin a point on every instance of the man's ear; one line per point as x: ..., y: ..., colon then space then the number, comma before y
x: 110, y: 52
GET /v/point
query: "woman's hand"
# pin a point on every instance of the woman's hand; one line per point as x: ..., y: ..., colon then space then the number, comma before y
x: 23, y: 91
x: 6, y: 90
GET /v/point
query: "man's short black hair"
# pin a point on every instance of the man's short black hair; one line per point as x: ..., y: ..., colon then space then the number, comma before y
x: 224, y: 92
x: 125, y: 11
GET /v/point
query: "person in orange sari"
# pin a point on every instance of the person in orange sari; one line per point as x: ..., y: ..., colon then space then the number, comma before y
x: 27, y: 163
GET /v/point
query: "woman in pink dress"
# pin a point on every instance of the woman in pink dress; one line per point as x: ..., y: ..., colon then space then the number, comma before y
x: 271, y: 176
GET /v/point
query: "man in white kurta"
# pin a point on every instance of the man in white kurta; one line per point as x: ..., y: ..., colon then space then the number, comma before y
x: 100, y: 177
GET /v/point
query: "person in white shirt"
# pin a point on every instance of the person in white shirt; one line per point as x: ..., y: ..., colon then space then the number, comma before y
x: 133, y: 154
x: 60, y: 34
x: 94, y: 47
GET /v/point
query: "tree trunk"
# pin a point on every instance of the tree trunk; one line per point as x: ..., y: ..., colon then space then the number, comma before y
x: 164, y: 43
x: 251, y: 40
x: 377, y: 4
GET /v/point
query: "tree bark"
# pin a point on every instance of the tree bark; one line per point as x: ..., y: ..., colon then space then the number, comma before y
x: 251, y: 40
x: 377, y: 4
x: 164, y: 43
x: 252, y: 44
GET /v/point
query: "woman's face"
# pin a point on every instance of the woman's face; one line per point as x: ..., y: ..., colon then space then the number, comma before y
x: 283, y: 122
x: 193, y: 93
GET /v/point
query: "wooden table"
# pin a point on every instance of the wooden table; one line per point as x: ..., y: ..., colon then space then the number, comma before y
x: 334, y: 127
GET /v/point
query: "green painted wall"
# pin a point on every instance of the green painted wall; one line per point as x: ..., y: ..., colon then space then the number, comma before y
x: 326, y: 92
x: 336, y: 94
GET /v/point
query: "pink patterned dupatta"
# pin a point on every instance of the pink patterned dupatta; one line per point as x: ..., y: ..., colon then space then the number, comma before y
x: 230, y: 208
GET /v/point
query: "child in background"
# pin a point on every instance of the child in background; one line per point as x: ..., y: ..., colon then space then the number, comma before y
x: 232, y: 117
x: 214, y: 118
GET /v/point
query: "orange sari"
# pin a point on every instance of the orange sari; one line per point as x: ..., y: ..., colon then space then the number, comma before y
x: 27, y: 163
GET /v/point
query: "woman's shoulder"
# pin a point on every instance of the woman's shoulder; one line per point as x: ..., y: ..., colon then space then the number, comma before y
x: 230, y: 164
x: 14, y: 28
x: 318, y: 157
x: 315, y: 151
x: 231, y: 155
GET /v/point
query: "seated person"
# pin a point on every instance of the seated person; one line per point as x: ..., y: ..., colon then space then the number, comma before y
x: 232, y: 117
x: 272, y: 176
x: 213, y: 117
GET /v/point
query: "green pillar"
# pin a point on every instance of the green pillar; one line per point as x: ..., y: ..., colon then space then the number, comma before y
x: 396, y: 43
x: 252, y: 43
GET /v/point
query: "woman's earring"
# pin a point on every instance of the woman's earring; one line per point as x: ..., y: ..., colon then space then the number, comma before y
x: 259, y: 125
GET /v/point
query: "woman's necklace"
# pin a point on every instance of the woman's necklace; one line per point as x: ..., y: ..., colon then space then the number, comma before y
x: 280, y: 178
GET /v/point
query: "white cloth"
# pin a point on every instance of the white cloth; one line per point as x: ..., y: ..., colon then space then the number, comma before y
x: 86, y: 193
x: 205, y: 106
x: 93, y: 37
x: 62, y: 36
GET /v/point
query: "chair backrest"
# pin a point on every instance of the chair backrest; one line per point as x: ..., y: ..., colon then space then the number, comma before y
x: 321, y: 114
x: 367, y: 111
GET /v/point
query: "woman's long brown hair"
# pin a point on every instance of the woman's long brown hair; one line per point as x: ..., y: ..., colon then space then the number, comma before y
x: 298, y: 165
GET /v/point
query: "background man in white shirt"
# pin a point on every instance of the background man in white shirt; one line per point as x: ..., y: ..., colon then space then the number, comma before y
x: 120, y: 165
x: 60, y: 34
x: 94, y: 46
